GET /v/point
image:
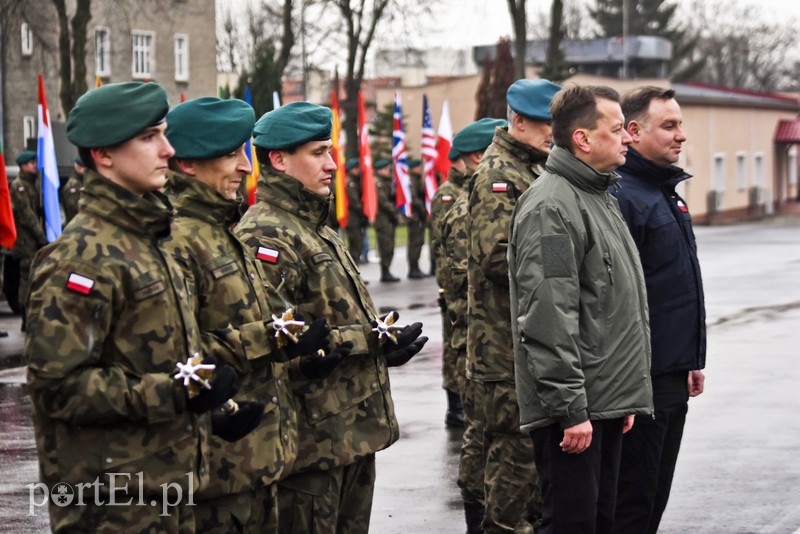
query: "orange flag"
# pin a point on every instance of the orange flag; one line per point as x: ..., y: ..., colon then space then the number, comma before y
x: 98, y: 81
x: 340, y: 195
x: 369, y: 195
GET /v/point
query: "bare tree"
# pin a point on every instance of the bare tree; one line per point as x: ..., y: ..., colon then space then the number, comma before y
x: 555, y: 66
x: 516, y: 9
x: 72, y: 51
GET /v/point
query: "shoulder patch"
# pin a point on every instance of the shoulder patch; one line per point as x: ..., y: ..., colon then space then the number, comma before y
x: 447, y: 198
x: 499, y: 187
x: 79, y: 283
x: 269, y: 255
x: 21, y: 188
x: 682, y: 206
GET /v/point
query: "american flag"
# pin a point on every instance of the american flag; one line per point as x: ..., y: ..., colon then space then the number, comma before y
x: 429, y: 154
x: 401, y: 178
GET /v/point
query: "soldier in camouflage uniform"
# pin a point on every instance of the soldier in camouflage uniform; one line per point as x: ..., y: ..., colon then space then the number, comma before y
x: 110, y: 316
x: 451, y: 270
x: 509, y: 166
x: 26, y: 204
x: 356, y: 220
x: 418, y: 220
x: 386, y: 218
x: 234, y: 316
x: 347, y: 417
x: 71, y: 192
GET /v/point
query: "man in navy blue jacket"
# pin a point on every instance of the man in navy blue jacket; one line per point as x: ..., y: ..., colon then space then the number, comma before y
x: 661, y: 226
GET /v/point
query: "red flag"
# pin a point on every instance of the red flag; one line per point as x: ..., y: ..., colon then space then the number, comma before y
x: 340, y: 196
x: 183, y: 97
x: 444, y: 142
x: 428, y: 154
x: 369, y: 195
x: 8, y: 231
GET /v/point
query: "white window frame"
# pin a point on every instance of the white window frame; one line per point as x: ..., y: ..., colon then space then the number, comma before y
x: 102, y: 51
x: 793, y: 166
x: 741, y: 170
x: 28, y: 129
x: 143, y: 56
x: 181, y: 45
x: 758, y: 169
x: 26, y: 39
x: 718, y: 170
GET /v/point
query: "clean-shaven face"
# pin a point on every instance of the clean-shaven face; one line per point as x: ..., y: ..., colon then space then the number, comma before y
x: 312, y: 165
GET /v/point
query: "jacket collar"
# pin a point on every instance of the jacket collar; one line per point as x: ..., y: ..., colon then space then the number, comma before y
x: 149, y: 214
x: 563, y: 163
x: 519, y: 150
x: 456, y: 178
x: 287, y: 193
x: 644, y: 169
x: 195, y: 199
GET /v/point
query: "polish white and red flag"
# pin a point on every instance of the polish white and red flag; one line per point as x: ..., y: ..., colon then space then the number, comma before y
x: 444, y: 142
x: 428, y: 154
x: 80, y: 283
x: 270, y: 255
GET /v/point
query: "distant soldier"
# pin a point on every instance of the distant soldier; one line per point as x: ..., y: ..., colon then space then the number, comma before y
x: 451, y: 270
x: 349, y: 416
x: 418, y: 220
x: 110, y: 316
x: 356, y: 220
x: 386, y: 218
x: 71, y: 192
x: 509, y: 166
x: 26, y: 204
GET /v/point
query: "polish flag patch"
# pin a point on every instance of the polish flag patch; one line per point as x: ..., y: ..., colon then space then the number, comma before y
x: 447, y: 198
x: 682, y: 206
x: 499, y: 187
x: 80, y: 284
x: 270, y: 255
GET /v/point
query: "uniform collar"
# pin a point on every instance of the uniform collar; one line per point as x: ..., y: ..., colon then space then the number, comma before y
x: 519, y: 150
x: 197, y: 200
x: 456, y: 178
x: 281, y: 190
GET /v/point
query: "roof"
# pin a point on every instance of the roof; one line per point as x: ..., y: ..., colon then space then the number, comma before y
x: 788, y: 131
x: 704, y: 94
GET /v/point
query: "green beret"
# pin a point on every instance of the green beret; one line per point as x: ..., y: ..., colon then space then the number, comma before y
x: 476, y: 136
x: 25, y: 156
x: 352, y: 162
x: 413, y: 162
x: 531, y: 98
x: 453, y: 154
x: 79, y: 161
x: 293, y: 125
x: 116, y: 112
x: 207, y: 128
x: 382, y: 163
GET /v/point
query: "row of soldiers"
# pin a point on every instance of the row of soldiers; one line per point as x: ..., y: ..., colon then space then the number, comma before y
x: 281, y: 396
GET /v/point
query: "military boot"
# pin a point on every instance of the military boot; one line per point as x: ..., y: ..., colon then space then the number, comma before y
x: 473, y: 513
x: 386, y: 276
x: 454, y: 417
x: 415, y: 272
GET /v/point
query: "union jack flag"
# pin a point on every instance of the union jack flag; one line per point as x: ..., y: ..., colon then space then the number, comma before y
x: 401, y: 178
x: 429, y: 154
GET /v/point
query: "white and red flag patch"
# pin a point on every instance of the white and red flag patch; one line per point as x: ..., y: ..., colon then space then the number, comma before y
x: 79, y: 283
x: 269, y: 255
x: 499, y: 187
x: 682, y: 206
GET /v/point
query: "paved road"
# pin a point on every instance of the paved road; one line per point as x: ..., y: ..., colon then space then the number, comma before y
x: 737, y: 473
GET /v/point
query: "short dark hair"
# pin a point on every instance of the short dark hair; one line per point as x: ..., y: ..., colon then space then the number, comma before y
x: 262, y: 154
x: 636, y: 102
x: 87, y: 159
x: 574, y: 107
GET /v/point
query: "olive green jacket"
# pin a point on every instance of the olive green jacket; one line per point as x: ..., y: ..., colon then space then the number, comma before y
x: 26, y: 204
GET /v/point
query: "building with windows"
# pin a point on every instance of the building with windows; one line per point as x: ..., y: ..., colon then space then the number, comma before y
x: 172, y: 43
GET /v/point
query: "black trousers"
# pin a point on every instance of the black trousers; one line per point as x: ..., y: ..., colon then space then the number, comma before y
x: 649, y: 453
x: 579, y: 490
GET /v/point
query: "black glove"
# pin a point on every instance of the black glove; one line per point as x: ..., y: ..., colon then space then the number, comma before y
x: 235, y: 426
x: 316, y: 337
x: 404, y: 338
x: 317, y: 367
x: 223, y: 387
x: 399, y: 357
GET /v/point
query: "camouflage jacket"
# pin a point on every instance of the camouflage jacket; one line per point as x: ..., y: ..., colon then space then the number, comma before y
x: 350, y: 413
x: 418, y: 210
x: 355, y: 206
x: 441, y: 203
x: 26, y: 203
x: 233, y: 308
x: 70, y: 194
x: 507, y: 169
x: 387, y: 214
x: 108, y: 319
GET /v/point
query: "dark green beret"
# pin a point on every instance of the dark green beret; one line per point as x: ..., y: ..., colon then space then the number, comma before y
x: 352, y: 162
x: 293, y: 125
x: 453, y: 154
x: 381, y: 163
x: 25, y: 156
x: 476, y: 136
x: 116, y: 112
x: 79, y: 161
x: 206, y: 128
x: 414, y: 162
x: 531, y: 98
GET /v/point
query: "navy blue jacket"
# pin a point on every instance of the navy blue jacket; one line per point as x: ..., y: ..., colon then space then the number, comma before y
x: 661, y: 227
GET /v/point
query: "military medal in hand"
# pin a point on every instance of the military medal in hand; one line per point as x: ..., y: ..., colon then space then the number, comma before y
x: 195, y: 375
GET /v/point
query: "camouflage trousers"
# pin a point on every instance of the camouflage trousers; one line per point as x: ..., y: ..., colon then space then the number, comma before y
x: 513, y: 497
x: 250, y: 512
x: 470, y: 464
x: 450, y: 375
x: 144, y: 519
x: 355, y: 239
x: 327, y: 502
x: 416, y: 239
x: 384, y: 232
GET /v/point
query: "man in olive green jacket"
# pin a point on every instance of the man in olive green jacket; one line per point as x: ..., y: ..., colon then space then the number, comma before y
x: 71, y: 192
x: 579, y: 315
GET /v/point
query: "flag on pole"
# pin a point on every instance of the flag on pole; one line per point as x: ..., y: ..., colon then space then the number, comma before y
x: 8, y: 231
x: 98, y: 81
x: 276, y: 100
x: 252, y: 179
x: 340, y: 195
x: 444, y: 142
x: 183, y: 97
x: 428, y: 154
x: 369, y: 195
x: 402, y: 180
x: 48, y: 169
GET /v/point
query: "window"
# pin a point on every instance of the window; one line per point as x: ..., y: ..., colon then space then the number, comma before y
x: 27, y: 40
x: 28, y: 129
x: 143, y: 54
x: 181, y: 57
x: 741, y: 170
x: 719, y: 172
x: 102, y: 52
x: 758, y: 169
x: 793, y: 166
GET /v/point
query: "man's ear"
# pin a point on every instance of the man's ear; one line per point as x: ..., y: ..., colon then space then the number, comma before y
x: 102, y: 157
x: 634, y: 130
x: 186, y: 166
x: 580, y: 140
x: 276, y: 159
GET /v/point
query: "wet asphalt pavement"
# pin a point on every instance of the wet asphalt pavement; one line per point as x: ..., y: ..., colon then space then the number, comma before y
x: 738, y: 471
